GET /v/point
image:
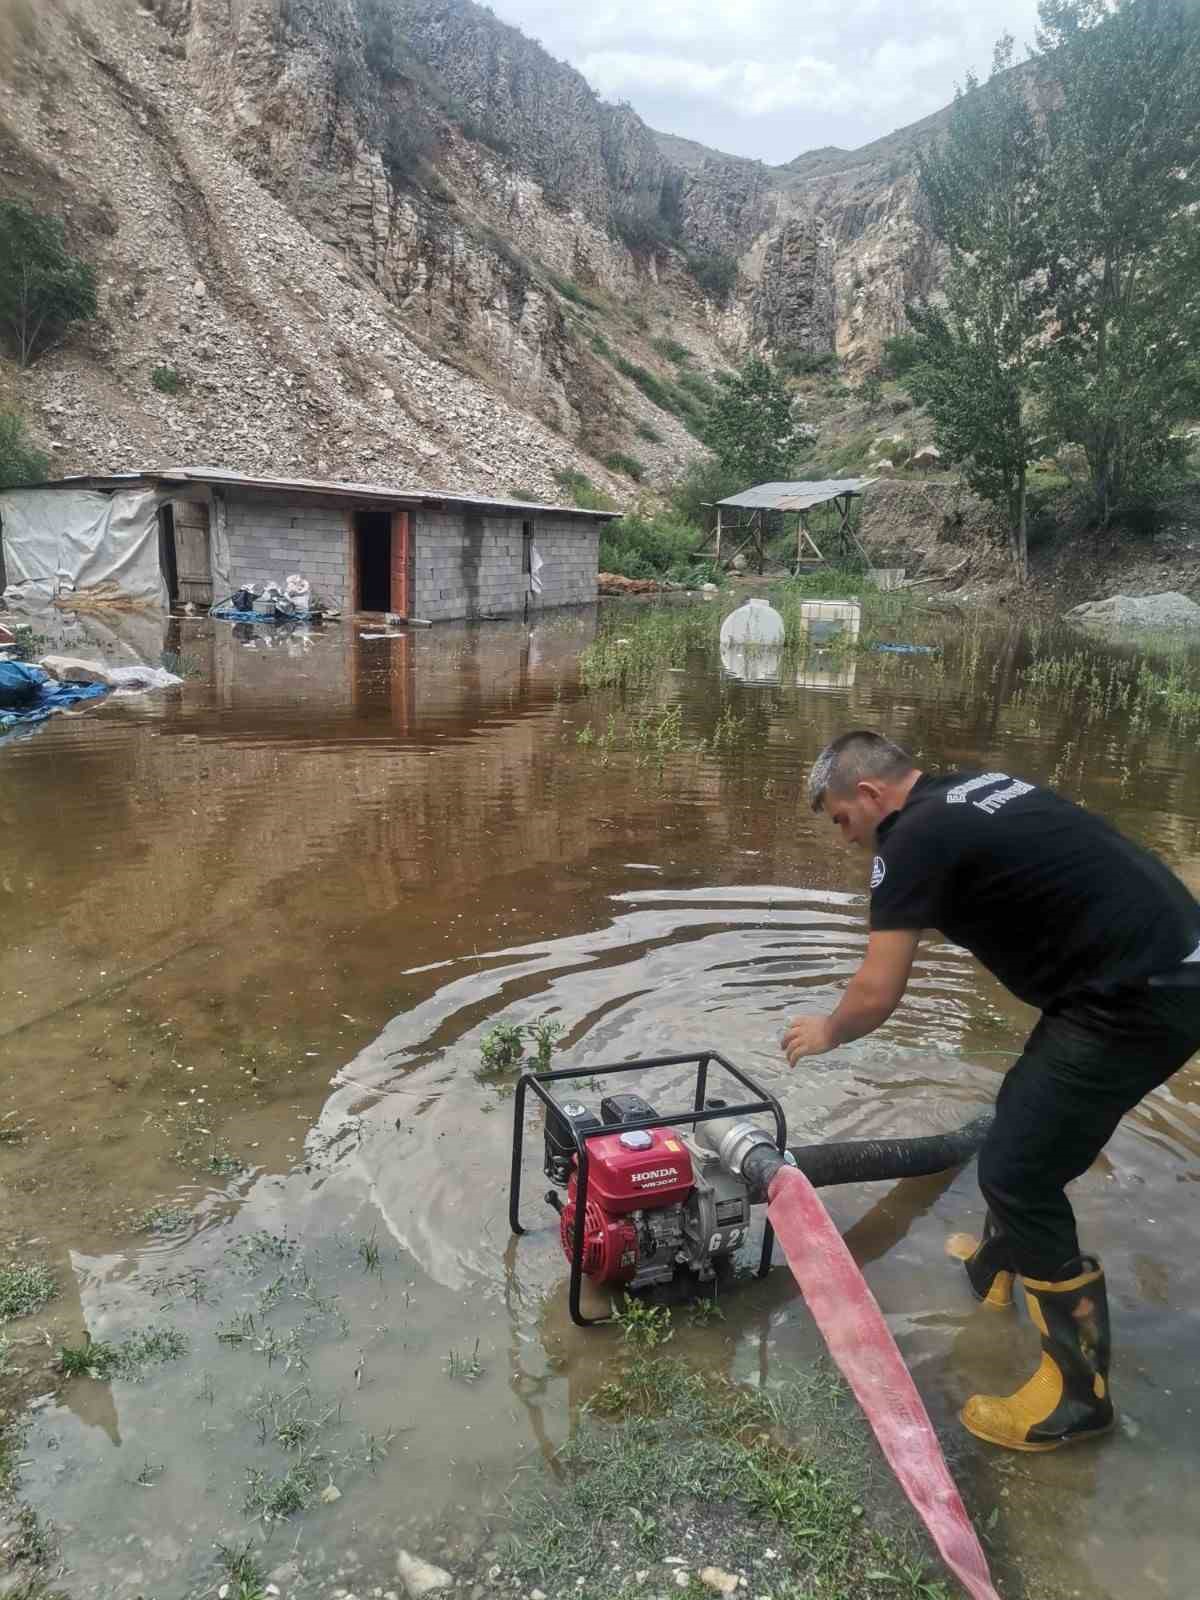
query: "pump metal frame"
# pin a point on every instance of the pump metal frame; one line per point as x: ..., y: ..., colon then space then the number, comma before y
x: 703, y: 1060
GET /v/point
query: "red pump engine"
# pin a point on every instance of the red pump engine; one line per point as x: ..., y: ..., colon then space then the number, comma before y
x: 656, y: 1204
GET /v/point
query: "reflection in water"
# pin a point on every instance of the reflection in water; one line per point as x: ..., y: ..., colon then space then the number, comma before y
x: 276, y: 914
x: 757, y: 663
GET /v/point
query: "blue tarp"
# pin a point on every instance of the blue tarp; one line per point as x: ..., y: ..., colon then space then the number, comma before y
x: 905, y: 649
x: 44, y: 695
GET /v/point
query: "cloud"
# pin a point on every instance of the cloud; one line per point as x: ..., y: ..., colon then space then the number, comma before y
x: 769, y: 78
x: 749, y: 88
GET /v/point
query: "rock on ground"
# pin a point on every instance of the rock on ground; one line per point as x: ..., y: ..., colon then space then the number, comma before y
x: 421, y: 1577
x: 70, y: 669
x: 719, y: 1581
x: 1168, y: 610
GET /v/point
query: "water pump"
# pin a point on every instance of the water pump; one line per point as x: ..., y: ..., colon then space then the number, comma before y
x: 646, y: 1203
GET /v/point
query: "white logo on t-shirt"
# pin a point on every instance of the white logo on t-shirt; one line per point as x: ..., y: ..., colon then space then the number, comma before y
x: 877, y: 872
x: 957, y: 795
x: 991, y: 803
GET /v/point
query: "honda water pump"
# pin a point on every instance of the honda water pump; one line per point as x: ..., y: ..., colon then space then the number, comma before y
x: 644, y: 1203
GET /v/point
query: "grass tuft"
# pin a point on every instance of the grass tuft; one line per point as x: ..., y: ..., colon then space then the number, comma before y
x: 25, y: 1289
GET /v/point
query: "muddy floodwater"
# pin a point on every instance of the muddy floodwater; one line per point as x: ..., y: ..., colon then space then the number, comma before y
x: 255, y: 930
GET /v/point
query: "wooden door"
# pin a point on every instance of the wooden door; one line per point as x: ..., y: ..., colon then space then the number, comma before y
x: 193, y: 558
x: 400, y: 594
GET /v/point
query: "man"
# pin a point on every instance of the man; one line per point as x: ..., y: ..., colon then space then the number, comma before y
x: 1075, y: 920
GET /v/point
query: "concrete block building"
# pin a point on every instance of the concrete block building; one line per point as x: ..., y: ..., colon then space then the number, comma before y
x: 197, y: 534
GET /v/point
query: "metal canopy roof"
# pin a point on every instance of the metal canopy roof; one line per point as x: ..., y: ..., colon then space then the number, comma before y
x: 217, y: 477
x: 800, y: 495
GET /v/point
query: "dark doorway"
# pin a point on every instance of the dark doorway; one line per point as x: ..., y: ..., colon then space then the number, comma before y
x: 373, y: 548
x: 166, y: 552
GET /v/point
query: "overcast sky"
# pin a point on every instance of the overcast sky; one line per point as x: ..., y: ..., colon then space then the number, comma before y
x: 773, y: 78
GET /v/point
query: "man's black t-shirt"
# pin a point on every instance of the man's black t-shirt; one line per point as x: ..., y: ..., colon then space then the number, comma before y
x: 1049, y: 897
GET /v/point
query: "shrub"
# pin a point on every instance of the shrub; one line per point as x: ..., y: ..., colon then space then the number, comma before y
x: 166, y: 380
x: 714, y: 272
x: 900, y: 354
x: 406, y: 141
x: 651, y: 435
x: 618, y: 461
x: 44, y: 289
x: 695, y: 384
x: 584, y: 493
x: 653, y: 388
x: 870, y: 390
x: 643, y: 233
x: 570, y: 290
x: 806, y: 363
x: 19, y: 461
x: 640, y: 546
x: 671, y: 350
x: 703, y: 482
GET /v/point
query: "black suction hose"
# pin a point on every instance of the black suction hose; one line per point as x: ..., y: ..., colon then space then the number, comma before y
x: 869, y: 1160
x: 864, y: 1160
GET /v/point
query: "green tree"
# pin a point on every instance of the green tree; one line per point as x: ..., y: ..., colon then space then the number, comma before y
x: 1122, y: 85
x: 19, y: 461
x: 44, y: 290
x: 975, y: 354
x: 749, y: 425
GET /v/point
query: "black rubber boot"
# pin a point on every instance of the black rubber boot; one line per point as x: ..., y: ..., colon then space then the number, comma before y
x: 1067, y: 1398
x: 988, y: 1264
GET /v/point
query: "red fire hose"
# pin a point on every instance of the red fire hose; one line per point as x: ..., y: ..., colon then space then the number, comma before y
x: 861, y: 1343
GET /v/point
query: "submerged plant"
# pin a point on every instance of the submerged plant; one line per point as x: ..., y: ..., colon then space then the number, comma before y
x: 24, y: 1290
x: 245, y: 1576
x: 94, y: 1358
x: 163, y: 1219
x: 545, y: 1033
x: 464, y: 1368
x: 643, y: 1326
x: 277, y: 1497
x: 98, y: 1358
x: 502, y: 1047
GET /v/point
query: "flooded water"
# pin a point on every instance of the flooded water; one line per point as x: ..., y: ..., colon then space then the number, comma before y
x: 257, y: 928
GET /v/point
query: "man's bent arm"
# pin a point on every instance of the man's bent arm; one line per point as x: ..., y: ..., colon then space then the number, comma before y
x: 871, y: 996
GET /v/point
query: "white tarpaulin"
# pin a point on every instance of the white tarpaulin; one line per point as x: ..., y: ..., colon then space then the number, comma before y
x: 63, y: 541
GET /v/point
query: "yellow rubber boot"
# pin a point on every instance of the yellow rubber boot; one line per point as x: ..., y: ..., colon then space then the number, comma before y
x: 1067, y: 1398
x: 988, y: 1264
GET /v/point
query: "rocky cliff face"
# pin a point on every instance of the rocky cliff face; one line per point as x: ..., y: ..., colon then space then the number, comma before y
x: 394, y: 239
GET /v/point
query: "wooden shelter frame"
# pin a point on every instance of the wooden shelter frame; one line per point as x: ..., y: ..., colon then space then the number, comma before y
x: 752, y: 530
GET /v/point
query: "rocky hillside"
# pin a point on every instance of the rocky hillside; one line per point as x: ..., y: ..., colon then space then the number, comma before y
x: 395, y: 240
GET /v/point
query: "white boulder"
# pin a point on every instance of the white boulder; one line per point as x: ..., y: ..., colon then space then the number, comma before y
x: 1168, y: 610
x: 70, y: 669
x: 421, y: 1577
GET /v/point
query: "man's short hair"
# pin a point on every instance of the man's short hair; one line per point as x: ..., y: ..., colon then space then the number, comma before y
x: 853, y: 757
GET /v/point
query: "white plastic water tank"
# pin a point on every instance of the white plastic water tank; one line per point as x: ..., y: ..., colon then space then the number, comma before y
x: 752, y: 642
x: 757, y: 622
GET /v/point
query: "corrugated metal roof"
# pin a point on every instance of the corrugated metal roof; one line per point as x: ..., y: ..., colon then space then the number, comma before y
x: 799, y: 495
x: 218, y: 477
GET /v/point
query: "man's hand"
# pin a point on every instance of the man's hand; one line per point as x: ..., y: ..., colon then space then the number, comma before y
x: 807, y: 1036
x: 871, y: 996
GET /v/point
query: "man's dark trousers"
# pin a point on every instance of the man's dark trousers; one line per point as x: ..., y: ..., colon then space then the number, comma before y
x: 1088, y: 1062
